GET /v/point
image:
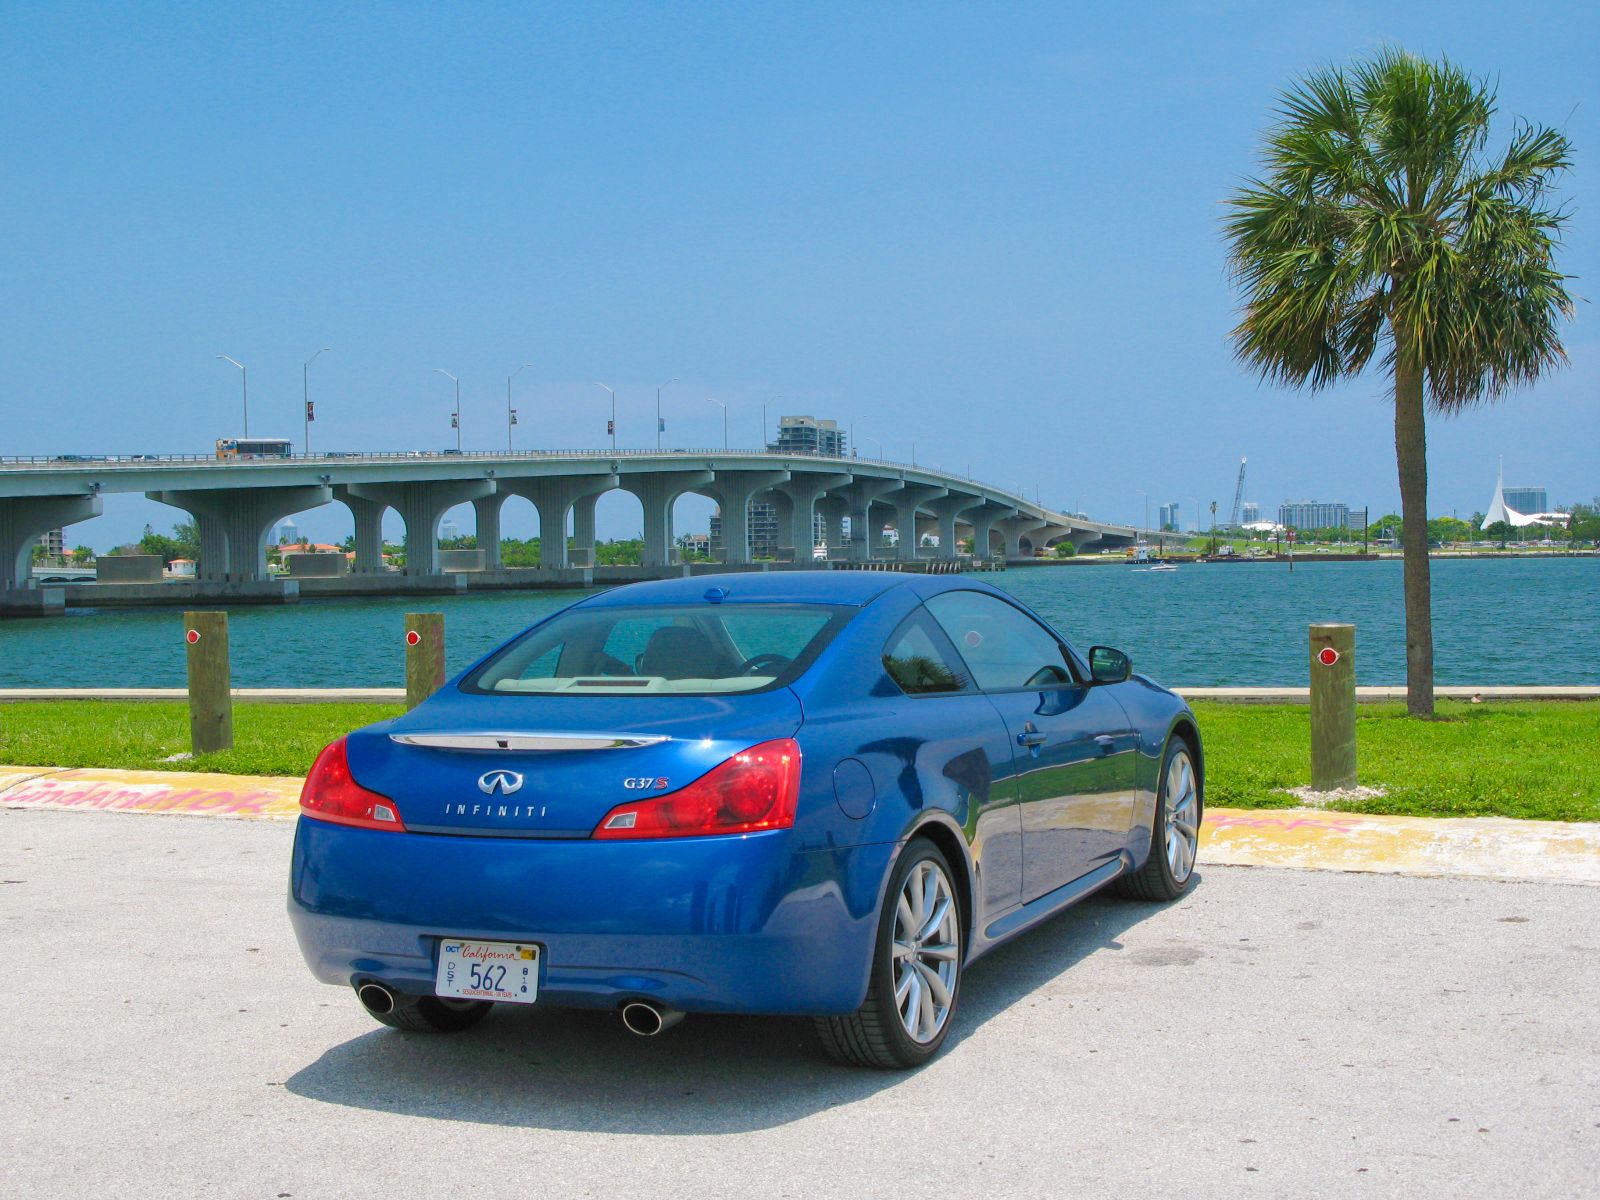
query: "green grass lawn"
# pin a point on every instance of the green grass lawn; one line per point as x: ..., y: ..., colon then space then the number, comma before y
x: 1533, y: 760
x: 1514, y: 760
x: 268, y: 739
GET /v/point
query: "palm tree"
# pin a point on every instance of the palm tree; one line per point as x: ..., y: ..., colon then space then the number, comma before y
x: 1381, y: 219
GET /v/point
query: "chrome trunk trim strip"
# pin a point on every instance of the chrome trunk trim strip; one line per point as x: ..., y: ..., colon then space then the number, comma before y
x: 534, y: 742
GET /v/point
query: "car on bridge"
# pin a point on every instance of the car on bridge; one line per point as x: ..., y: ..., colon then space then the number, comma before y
x: 809, y: 793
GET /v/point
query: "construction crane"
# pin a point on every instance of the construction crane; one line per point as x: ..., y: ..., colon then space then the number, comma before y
x: 1238, y: 495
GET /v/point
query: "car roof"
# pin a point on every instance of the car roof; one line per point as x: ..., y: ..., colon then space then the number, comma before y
x: 780, y: 587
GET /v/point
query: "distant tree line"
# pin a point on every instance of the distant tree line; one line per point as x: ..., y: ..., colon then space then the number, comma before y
x: 524, y: 552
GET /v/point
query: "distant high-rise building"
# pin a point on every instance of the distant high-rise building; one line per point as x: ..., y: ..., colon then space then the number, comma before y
x: 1313, y: 514
x: 761, y: 529
x: 54, y: 543
x: 448, y: 531
x: 1251, y: 513
x: 288, y: 534
x: 1526, y: 500
x: 1169, y: 516
x: 809, y: 435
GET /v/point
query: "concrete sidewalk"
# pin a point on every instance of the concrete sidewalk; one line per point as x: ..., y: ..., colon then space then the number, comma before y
x: 1296, y: 838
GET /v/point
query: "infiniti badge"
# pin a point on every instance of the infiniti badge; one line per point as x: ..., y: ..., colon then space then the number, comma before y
x: 504, y: 782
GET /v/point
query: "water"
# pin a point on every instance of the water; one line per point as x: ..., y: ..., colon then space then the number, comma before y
x: 1496, y: 621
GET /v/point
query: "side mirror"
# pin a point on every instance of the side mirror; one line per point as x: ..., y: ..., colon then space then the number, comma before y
x: 1108, y: 666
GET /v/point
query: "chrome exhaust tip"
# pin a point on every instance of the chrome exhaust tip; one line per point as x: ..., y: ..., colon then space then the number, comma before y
x: 376, y: 999
x: 646, y: 1020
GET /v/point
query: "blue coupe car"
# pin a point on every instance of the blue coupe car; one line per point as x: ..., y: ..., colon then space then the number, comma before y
x: 814, y: 793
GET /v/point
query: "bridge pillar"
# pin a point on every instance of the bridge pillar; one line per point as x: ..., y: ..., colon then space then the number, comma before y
x: 486, y: 526
x: 658, y: 491
x: 983, y: 521
x: 860, y: 495
x: 555, y: 496
x: 796, y: 524
x: 24, y: 518
x: 732, y: 491
x: 422, y: 504
x: 368, y: 518
x: 583, y: 538
x: 945, y: 512
x: 1084, y: 537
x: 1014, y: 528
x: 234, y: 524
x: 834, y: 510
x: 906, y: 501
x: 1051, y: 532
x: 880, y: 515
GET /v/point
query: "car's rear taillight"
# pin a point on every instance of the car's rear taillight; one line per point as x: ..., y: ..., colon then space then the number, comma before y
x: 754, y: 790
x: 332, y: 794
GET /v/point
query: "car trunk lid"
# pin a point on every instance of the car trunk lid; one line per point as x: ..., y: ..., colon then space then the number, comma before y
x: 535, y: 767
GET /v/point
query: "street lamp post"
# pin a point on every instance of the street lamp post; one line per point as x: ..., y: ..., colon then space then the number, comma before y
x: 660, y: 424
x: 244, y: 378
x: 455, y: 417
x: 724, y: 408
x: 305, y: 383
x: 876, y: 443
x: 611, y: 425
x: 511, y: 413
x: 1146, y: 496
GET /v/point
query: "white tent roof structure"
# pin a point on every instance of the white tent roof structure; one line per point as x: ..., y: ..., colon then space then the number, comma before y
x: 1498, y: 511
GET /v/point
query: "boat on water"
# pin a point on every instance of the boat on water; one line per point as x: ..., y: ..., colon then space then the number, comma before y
x: 1164, y: 566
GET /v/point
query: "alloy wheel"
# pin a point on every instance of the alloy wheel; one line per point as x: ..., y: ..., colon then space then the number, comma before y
x: 1183, y: 810
x: 927, y: 949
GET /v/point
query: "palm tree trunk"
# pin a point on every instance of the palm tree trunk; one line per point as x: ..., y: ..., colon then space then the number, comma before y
x: 1411, y: 453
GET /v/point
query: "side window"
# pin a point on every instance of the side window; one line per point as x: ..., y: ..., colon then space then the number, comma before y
x: 1005, y: 648
x: 918, y: 661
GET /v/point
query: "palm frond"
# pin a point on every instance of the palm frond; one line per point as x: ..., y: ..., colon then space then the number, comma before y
x: 1376, y: 215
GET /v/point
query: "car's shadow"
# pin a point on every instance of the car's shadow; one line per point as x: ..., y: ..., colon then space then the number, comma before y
x: 580, y: 1070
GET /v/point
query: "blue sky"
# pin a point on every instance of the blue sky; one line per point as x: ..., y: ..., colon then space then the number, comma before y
x: 991, y: 229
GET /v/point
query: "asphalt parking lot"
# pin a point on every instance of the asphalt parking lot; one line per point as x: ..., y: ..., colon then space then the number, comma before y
x: 1276, y: 1032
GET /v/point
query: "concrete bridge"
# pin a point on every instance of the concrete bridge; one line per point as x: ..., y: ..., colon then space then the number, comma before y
x: 237, y: 503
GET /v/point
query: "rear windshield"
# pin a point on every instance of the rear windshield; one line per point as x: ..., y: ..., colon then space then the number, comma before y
x: 663, y: 649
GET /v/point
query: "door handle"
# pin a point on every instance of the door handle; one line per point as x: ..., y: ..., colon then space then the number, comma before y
x: 1032, y: 737
x: 1106, y: 742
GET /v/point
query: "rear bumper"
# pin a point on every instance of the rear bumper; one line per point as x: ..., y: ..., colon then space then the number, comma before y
x: 718, y: 924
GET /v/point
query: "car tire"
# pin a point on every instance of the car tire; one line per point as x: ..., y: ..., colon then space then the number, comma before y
x: 431, y: 1014
x: 1168, y: 871
x: 878, y: 1034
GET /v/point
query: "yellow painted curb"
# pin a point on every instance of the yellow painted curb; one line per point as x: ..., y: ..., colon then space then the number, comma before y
x: 1297, y: 838
x: 1321, y: 840
x: 190, y: 792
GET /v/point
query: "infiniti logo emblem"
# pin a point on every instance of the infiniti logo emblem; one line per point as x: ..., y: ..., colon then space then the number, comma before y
x: 504, y: 782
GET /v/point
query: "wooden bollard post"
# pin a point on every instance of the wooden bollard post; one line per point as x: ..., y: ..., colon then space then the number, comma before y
x: 210, y: 700
x: 1333, y: 707
x: 424, y: 656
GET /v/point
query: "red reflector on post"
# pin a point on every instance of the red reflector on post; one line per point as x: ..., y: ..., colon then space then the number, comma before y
x: 755, y: 790
x: 332, y: 794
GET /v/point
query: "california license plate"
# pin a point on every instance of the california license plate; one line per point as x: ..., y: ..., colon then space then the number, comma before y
x: 503, y: 971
